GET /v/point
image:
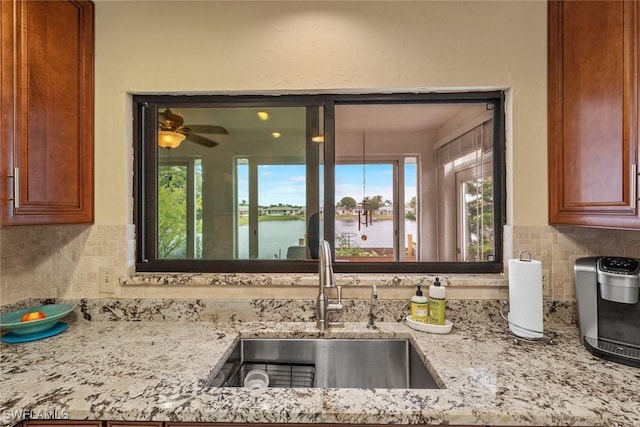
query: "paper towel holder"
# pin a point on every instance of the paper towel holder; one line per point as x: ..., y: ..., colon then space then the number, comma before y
x: 547, y: 336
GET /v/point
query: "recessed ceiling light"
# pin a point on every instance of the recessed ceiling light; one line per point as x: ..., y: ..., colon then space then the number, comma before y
x: 276, y: 134
x: 263, y: 115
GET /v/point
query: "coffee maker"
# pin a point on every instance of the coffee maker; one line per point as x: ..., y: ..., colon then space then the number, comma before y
x: 607, y: 291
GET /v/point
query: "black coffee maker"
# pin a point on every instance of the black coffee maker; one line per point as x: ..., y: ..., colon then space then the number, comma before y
x: 607, y: 290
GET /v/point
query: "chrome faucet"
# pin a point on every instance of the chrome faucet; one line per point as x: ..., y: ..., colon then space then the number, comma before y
x: 372, y: 317
x: 323, y: 306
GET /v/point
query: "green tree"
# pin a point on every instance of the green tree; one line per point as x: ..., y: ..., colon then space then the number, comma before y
x: 172, y: 212
x: 411, y: 213
x: 479, y: 201
x: 349, y: 203
x: 373, y: 203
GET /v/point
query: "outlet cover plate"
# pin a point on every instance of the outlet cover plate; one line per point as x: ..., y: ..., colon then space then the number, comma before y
x: 107, y: 280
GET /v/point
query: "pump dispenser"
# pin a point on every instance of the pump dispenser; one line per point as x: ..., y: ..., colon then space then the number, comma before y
x: 437, y: 294
x: 419, y: 307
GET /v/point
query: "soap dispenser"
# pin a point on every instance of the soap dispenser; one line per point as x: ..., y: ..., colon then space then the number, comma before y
x: 419, y: 307
x: 437, y: 294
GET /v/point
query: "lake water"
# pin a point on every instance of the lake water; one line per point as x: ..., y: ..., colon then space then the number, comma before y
x: 275, y: 237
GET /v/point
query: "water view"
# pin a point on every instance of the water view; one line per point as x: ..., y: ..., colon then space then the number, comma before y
x: 275, y: 237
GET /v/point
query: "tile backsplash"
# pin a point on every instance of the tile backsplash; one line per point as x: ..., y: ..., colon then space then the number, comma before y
x: 558, y: 248
x: 62, y: 261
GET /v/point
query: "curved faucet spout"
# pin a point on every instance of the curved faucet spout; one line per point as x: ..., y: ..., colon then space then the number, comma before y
x: 325, y: 280
x: 325, y: 265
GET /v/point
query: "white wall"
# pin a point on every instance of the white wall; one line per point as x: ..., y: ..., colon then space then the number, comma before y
x: 231, y: 47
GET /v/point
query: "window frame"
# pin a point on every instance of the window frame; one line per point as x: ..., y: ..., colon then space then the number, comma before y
x: 145, y: 178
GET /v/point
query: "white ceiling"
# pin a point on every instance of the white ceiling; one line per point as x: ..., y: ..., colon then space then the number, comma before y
x: 396, y: 117
x: 370, y: 118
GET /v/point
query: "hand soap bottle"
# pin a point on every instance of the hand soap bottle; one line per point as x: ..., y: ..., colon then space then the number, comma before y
x: 419, y: 307
x: 437, y: 294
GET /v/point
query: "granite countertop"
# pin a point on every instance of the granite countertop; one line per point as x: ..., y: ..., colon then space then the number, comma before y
x: 144, y: 371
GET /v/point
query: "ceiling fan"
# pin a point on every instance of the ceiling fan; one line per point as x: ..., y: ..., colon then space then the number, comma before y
x: 171, y: 131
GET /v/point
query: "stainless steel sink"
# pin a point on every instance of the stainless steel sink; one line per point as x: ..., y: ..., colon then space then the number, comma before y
x: 326, y: 363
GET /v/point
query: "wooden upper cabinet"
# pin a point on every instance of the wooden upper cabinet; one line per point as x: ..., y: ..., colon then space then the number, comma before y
x: 46, y: 101
x: 593, y: 113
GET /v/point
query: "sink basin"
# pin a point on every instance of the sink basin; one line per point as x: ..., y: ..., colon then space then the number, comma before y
x: 326, y: 363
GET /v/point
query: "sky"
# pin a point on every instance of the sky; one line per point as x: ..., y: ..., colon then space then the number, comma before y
x: 286, y: 183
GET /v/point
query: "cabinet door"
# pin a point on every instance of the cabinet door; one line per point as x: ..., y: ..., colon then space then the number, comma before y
x: 134, y: 424
x: 46, y: 103
x: 61, y: 423
x: 593, y: 113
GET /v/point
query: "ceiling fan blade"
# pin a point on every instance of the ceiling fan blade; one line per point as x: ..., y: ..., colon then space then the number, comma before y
x: 201, y: 140
x: 213, y: 129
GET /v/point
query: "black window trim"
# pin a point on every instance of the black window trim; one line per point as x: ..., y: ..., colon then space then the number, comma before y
x: 145, y: 175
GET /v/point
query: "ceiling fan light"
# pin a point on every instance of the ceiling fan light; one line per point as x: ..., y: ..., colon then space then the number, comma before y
x: 169, y: 139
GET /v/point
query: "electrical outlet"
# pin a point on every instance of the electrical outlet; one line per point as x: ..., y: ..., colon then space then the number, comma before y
x: 546, y: 283
x: 107, y: 280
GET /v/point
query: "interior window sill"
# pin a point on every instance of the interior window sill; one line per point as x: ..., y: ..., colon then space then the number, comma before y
x: 311, y: 280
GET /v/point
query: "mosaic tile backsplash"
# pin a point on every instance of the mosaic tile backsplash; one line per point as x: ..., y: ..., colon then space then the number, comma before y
x: 63, y: 262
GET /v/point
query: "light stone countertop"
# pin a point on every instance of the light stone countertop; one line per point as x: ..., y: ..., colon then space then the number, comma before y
x: 144, y: 371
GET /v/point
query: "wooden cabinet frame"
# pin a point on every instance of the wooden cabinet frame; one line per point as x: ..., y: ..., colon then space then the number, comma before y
x: 593, y: 113
x: 46, y: 106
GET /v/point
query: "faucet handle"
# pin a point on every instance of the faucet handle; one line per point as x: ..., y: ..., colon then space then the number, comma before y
x: 336, y: 306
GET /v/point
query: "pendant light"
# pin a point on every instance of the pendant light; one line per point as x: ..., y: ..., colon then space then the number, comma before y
x: 169, y: 139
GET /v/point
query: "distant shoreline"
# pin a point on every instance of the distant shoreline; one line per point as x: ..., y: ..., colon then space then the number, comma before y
x: 347, y: 217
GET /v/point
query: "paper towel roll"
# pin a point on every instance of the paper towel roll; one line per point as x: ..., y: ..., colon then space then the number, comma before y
x: 525, y: 298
